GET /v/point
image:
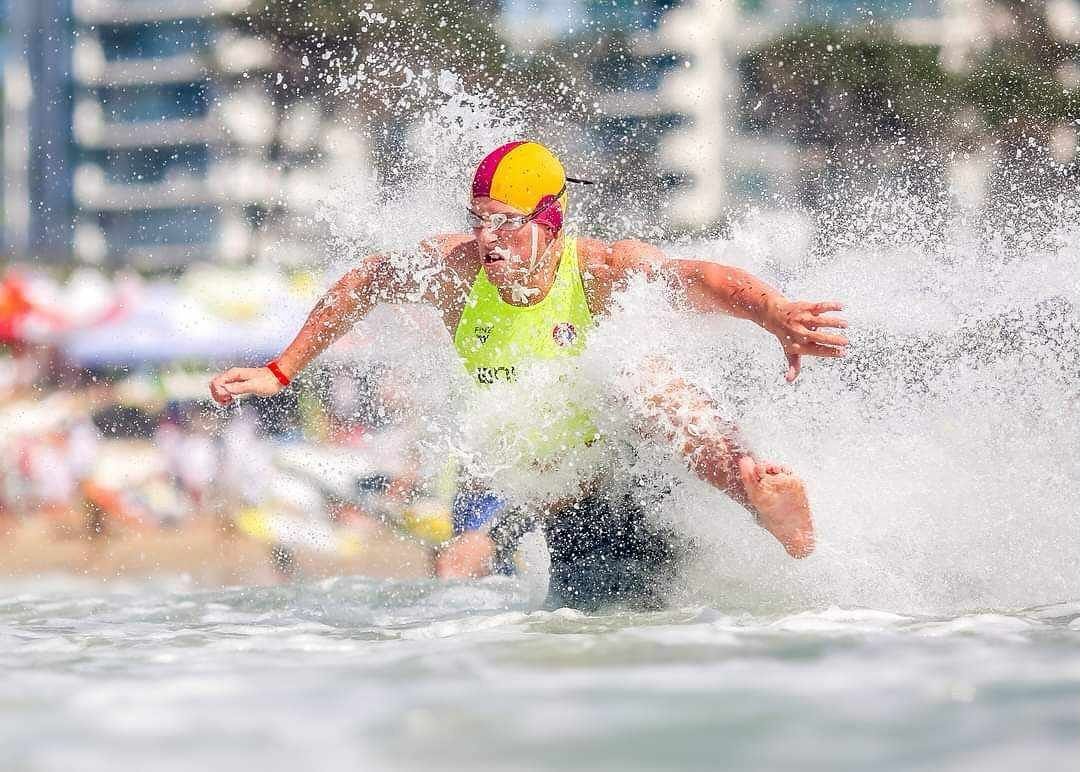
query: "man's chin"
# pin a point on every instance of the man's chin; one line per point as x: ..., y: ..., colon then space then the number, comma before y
x: 501, y: 271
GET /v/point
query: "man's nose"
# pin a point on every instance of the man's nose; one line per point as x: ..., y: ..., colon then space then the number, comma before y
x: 486, y: 237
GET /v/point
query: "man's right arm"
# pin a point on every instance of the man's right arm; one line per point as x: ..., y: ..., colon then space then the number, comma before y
x: 345, y: 303
x: 376, y: 280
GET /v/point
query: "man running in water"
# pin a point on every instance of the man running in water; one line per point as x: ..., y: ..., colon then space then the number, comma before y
x: 519, y: 289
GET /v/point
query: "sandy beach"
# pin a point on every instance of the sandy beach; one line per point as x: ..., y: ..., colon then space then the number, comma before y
x: 205, y: 551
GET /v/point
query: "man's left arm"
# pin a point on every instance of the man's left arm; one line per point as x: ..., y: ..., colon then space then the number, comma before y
x: 801, y: 327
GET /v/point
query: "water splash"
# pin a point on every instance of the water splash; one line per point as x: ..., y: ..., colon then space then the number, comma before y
x: 941, y: 456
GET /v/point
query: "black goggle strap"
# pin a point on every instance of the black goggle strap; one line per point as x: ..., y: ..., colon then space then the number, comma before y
x: 559, y: 195
x: 554, y: 200
x: 536, y: 212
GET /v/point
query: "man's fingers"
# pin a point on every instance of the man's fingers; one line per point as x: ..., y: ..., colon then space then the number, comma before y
x: 808, y: 336
x: 820, y: 308
x: 219, y: 393
x: 814, y: 321
x: 234, y: 374
x: 827, y: 338
x: 237, y: 381
x: 819, y: 350
x: 220, y: 398
x: 749, y: 470
x: 794, y: 366
x: 240, y: 386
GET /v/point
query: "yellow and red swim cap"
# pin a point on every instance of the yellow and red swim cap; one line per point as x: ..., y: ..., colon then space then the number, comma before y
x: 526, y: 176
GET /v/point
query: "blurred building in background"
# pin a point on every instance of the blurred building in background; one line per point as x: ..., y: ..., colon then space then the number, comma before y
x: 637, y: 118
x: 626, y: 68
x: 172, y: 128
x: 713, y: 162
x: 158, y: 134
x: 676, y: 99
x: 530, y: 22
x: 149, y: 134
x: 720, y: 161
x: 37, y: 131
x: 3, y: 61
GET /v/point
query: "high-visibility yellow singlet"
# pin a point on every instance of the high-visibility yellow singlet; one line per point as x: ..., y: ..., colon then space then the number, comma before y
x: 496, y: 339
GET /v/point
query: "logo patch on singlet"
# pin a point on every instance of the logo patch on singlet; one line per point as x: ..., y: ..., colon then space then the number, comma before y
x: 489, y: 375
x: 483, y: 332
x: 564, y: 333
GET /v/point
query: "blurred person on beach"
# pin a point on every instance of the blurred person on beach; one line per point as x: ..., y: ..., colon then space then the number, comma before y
x: 192, y: 456
x: 518, y: 289
x: 247, y: 461
x: 53, y: 483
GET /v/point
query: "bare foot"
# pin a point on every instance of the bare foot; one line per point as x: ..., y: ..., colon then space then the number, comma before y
x: 778, y: 500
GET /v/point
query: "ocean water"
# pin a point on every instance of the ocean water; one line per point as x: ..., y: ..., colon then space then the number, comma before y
x: 358, y: 674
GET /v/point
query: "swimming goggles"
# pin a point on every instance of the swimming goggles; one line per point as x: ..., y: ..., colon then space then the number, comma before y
x: 507, y: 223
x: 499, y: 221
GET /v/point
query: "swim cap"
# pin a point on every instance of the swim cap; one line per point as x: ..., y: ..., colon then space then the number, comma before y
x: 526, y: 176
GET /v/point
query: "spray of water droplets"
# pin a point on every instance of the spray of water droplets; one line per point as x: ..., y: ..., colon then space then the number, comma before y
x: 942, y: 455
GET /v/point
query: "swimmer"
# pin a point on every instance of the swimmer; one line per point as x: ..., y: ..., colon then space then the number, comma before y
x: 519, y: 288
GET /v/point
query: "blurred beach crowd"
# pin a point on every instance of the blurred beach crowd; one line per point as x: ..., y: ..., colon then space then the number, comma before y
x: 115, y: 460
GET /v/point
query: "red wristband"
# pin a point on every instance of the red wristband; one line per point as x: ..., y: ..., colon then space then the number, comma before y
x: 272, y: 366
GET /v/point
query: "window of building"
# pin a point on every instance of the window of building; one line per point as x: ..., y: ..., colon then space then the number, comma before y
x: 627, y: 73
x: 840, y: 10
x: 138, y: 104
x: 159, y: 226
x: 255, y: 215
x: 629, y: 14
x: 154, y: 41
x: 752, y: 184
x: 147, y: 165
x: 643, y: 131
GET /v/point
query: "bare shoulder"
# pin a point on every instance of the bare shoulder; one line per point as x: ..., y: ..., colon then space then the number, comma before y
x: 605, y: 266
x: 616, y: 258
x: 456, y: 254
x: 447, y: 254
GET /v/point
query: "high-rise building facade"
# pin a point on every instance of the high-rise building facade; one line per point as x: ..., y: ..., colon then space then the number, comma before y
x: 147, y: 134
x: 722, y: 165
x: 677, y: 100
x: 172, y: 126
x: 38, y: 145
x: 633, y: 119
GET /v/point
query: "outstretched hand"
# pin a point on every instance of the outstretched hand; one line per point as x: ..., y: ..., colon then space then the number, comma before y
x: 243, y: 380
x: 797, y: 325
